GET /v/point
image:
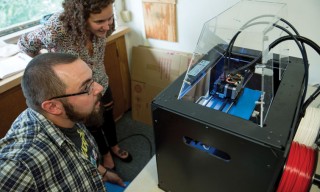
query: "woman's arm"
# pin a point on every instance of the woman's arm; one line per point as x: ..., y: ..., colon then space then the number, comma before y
x: 45, y: 37
x: 33, y: 42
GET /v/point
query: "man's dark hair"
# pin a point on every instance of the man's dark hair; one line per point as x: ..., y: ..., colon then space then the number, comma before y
x: 39, y: 81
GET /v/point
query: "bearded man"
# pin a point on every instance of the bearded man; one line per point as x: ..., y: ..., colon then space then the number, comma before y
x: 48, y: 147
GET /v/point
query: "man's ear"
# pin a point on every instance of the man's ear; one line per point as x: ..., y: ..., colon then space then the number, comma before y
x: 52, y: 106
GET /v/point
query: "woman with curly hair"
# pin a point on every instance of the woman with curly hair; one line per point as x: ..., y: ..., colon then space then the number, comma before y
x: 81, y: 29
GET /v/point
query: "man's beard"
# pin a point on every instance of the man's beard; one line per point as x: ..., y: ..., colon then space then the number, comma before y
x: 94, y: 119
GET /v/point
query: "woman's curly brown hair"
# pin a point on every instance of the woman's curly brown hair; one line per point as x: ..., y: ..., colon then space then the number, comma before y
x: 76, y: 14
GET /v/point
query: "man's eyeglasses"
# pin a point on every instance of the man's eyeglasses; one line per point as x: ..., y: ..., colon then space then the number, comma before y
x: 88, y: 89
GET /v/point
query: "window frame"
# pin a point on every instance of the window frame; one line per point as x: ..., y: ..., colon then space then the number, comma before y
x: 19, y: 27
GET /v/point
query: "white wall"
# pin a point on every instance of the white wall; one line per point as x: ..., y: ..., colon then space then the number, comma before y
x: 304, y: 16
x: 191, y: 15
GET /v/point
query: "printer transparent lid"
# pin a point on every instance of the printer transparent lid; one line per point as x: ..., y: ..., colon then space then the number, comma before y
x: 232, y: 68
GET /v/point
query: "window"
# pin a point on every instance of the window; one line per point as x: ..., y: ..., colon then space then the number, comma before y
x: 17, y: 15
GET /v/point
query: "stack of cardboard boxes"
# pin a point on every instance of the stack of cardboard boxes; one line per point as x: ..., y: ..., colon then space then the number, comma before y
x: 152, y: 70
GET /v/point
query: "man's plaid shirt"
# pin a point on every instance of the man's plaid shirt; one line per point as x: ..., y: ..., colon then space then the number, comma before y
x: 36, y: 156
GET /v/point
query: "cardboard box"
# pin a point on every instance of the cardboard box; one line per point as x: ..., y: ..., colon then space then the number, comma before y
x: 152, y: 70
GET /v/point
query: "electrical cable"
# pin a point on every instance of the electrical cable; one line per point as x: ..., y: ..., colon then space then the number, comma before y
x: 301, y: 47
x: 316, y: 180
x: 134, y: 135
x: 302, y: 50
x: 246, y: 25
x: 298, y: 171
x: 317, y: 49
x: 300, y: 38
x: 274, y: 16
x: 228, y: 54
x: 272, y: 45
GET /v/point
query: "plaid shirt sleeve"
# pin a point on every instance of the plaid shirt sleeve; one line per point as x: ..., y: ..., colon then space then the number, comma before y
x: 15, y: 176
x: 36, y: 156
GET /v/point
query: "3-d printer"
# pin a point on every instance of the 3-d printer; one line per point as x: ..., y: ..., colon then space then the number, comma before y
x: 226, y: 124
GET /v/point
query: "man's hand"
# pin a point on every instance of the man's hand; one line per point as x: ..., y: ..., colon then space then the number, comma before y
x: 113, y: 177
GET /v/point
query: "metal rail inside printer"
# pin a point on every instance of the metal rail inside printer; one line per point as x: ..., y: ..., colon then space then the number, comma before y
x: 234, y: 82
